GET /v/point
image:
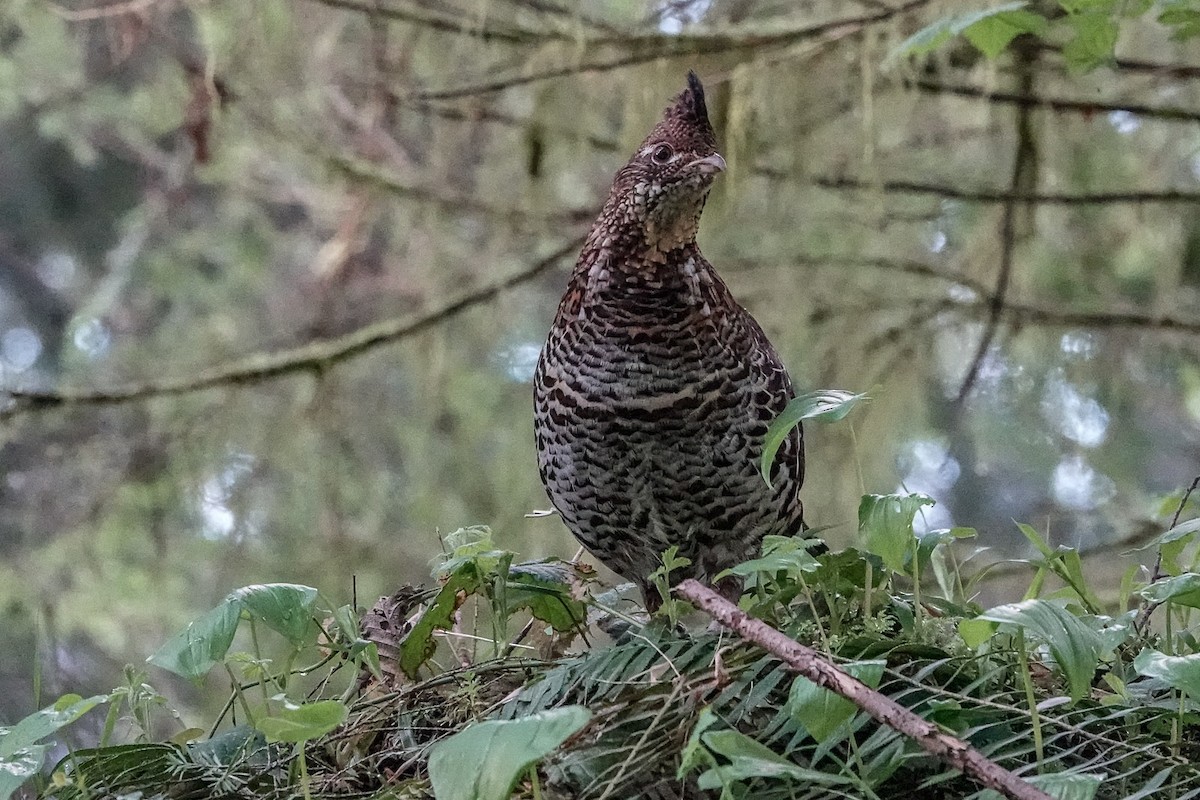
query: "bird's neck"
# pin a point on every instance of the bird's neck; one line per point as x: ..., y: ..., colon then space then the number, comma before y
x: 628, y: 270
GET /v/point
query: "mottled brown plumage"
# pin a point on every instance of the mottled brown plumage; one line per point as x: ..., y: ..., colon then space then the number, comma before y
x: 655, y: 388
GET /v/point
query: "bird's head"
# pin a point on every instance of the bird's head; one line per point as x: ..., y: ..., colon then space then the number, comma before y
x: 663, y: 187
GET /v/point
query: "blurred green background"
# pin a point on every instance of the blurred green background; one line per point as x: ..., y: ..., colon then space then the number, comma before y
x: 1005, y: 254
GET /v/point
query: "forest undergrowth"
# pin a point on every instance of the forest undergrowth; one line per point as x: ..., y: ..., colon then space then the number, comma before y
x: 508, y: 679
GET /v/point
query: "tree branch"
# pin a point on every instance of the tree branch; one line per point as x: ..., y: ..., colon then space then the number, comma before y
x: 262, y: 367
x: 809, y: 663
x: 1030, y: 100
x: 658, y: 46
x: 1136, y: 197
x: 439, y: 22
x: 369, y: 173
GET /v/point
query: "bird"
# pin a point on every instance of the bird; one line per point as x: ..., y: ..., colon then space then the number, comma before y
x: 655, y: 389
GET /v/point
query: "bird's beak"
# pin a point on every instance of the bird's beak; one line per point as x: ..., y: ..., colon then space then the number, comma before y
x: 709, y: 165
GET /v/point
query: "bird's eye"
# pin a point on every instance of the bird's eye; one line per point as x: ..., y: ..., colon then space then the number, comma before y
x: 662, y: 154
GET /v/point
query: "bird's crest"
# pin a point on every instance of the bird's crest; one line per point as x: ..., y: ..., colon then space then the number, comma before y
x: 685, y: 122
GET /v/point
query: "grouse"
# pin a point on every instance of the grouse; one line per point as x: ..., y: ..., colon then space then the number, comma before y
x: 655, y: 389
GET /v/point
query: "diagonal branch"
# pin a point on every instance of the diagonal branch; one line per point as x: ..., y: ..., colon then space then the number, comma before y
x: 809, y: 663
x: 314, y: 356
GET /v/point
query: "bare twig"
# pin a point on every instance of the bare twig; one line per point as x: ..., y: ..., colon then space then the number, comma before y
x: 809, y: 663
x: 314, y: 356
x: 1022, y: 173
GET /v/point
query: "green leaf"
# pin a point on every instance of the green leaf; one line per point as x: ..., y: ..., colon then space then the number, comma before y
x: 21, y: 756
x: 1094, y: 41
x: 975, y: 632
x: 547, y: 599
x: 1183, y: 531
x: 886, y: 522
x: 1178, y: 672
x: 201, y: 645
x: 750, y: 759
x: 483, y: 761
x: 470, y: 546
x: 694, y: 755
x: 940, y: 31
x: 780, y: 554
x: 822, y: 712
x: 1182, y: 589
x: 823, y: 405
x: 304, y: 721
x: 286, y: 608
x: 993, y: 33
x: 419, y: 645
x: 1075, y: 647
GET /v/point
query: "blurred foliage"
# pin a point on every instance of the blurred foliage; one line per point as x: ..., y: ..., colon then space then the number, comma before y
x: 189, y: 184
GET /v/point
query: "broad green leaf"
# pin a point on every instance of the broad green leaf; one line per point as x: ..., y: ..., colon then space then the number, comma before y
x: 750, y: 759
x: 1075, y: 647
x: 993, y: 33
x: 975, y: 632
x: 823, y: 405
x: 940, y: 31
x: 41, y: 724
x: 1179, y: 672
x: 822, y: 712
x: 548, y: 600
x: 780, y: 554
x: 1094, y: 41
x: 1182, y: 589
x: 483, y: 761
x: 286, y: 608
x: 201, y: 645
x: 471, y: 545
x: 21, y: 756
x: 419, y: 645
x: 886, y: 523
x: 304, y: 721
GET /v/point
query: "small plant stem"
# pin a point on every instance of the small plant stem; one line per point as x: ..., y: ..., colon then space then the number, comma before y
x: 1030, y: 698
x: 1177, y: 727
x: 867, y: 585
x: 258, y: 657
x: 240, y: 696
x: 535, y: 786
x: 862, y: 484
x: 303, y: 771
x: 916, y: 587
x: 812, y: 606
